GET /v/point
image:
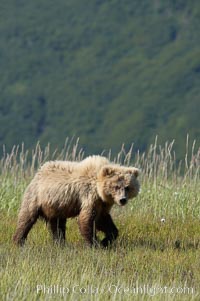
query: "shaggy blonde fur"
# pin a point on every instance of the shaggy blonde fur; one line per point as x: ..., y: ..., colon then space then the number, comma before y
x: 88, y: 189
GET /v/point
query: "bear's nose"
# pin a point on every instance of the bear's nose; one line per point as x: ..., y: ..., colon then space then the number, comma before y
x: 123, y: 201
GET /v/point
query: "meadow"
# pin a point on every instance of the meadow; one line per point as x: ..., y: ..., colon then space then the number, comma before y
x: 157, y: 254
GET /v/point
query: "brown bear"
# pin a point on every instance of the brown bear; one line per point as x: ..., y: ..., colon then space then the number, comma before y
x: 87, y: 189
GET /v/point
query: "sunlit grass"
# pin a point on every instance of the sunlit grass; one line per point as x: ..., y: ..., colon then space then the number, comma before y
x: 158, y: 247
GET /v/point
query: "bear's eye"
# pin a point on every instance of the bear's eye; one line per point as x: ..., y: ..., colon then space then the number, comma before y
x: 127, y: 188
x: 117, y: 187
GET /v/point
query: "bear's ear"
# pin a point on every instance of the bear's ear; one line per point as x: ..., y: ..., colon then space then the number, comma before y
x: 134, y: 171
x: 107, y: 171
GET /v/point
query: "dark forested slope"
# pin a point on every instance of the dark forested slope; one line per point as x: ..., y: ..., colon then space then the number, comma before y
x: 105, y: 71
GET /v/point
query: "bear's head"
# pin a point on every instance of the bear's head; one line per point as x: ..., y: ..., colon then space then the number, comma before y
x: 117, y: 184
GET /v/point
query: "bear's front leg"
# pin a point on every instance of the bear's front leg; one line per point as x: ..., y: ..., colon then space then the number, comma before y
x: 86, y: 223
x: 106, y: 225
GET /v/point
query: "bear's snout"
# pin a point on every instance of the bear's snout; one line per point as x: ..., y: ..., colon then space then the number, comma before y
x: 123, y: 201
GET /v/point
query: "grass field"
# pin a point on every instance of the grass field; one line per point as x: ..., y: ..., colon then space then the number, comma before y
x: 157, y: 254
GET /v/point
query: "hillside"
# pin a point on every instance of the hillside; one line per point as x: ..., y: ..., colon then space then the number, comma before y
x: 109, y: 72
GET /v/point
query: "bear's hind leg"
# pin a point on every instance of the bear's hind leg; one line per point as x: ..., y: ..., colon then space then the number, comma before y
x: 26, y: 220
x: 106, y: 225
x: 58, y: 228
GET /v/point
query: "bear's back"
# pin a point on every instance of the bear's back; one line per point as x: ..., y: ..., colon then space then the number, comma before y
x: 58, y: 166
x: 87, y: 167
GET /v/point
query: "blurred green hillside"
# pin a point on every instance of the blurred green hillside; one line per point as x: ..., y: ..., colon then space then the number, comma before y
x: 109, y: 72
